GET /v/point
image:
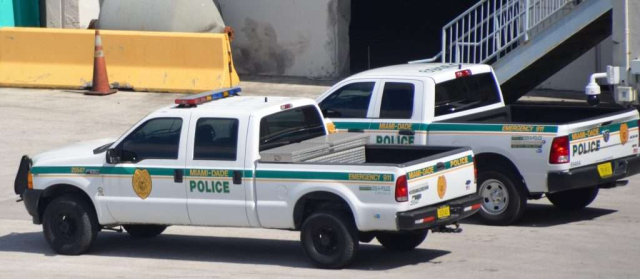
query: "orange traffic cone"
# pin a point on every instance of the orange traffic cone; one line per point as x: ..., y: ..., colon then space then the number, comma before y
x: 100, y: 79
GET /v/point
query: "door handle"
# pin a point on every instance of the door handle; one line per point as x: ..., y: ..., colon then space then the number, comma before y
x: 355, y: 131
x: 407, y: 132
x: 237, y: 177
x: 178, y: 176
x: 440, y: 166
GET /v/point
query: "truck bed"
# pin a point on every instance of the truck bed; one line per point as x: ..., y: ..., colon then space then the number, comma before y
x: 395, y: 155
x: 554, y: 114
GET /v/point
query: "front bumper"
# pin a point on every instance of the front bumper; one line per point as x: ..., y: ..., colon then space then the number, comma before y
x: 427, y: 217
x: 31, y: 202
x: 588, y: 176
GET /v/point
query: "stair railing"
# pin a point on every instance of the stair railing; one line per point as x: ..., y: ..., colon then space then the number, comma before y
x: 492, y: 28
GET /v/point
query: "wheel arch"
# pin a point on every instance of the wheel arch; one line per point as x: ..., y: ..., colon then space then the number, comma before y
x: 317, y: 200
x: 495, y: 161
x: 57, y: 190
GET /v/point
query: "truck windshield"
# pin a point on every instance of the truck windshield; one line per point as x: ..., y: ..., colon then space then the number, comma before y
x: 290, y: 126
x: 466, y: 93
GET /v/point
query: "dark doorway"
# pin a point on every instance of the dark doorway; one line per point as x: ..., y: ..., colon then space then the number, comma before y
x: 385, y: 33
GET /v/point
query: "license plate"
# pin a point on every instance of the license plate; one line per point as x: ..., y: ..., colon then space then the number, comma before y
x: 443, y: 212
x: 605, y: 170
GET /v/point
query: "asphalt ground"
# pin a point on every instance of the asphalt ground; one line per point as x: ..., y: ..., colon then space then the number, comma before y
x: 601, y: 241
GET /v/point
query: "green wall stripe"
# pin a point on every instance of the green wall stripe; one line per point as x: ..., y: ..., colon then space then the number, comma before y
x: 452, y: 127
x: 121, y: 171
x: 325, y: 175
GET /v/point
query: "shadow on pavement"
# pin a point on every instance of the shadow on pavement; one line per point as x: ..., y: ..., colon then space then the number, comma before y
x: 546, y: 215
x: 219, y: 249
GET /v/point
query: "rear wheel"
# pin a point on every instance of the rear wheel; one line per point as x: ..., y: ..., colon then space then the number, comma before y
x: 403, y: 241
x: 144, y: 231
x: 503, y: 197
x: 70, y: 225
x: 574, y: 199
x: 329, y: 239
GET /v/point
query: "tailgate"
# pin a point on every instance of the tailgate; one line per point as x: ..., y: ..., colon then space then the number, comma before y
x: 441, y: 180
x: 608, y: 139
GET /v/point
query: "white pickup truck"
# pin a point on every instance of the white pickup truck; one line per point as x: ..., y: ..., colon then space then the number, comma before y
x: 567, y: 152
x: 266, y: 162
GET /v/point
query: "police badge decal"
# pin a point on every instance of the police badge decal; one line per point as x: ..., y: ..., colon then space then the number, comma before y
x: 141, y: 183
x: 624, y: 133
x: 442, y: 186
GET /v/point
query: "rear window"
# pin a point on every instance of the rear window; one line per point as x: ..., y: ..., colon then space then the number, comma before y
x: 466, y: 93
x: 216, y: 139
x: 397, y: 100
x: 290, y: 126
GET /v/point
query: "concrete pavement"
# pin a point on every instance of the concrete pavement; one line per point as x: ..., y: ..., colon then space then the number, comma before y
x: 599, y: 242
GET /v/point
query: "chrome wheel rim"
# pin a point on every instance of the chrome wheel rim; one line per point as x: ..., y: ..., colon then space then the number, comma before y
x: 495, y: 197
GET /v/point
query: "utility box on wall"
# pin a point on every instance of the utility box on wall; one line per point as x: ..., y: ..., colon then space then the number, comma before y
x: 21, y: 13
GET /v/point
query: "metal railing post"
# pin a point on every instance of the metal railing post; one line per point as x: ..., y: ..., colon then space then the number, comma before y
x: 526, y: 21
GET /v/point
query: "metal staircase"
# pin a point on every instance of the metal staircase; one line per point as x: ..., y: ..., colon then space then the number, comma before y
x: 526, y: 41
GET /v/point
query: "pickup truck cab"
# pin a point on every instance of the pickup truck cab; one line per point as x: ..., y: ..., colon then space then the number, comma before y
x: 566, y: 152
x: 218, y: 159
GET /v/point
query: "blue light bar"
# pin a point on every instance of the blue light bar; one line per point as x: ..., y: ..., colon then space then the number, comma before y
x: 209, y: 96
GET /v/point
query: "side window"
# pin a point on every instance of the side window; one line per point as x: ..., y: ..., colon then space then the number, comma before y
x: 397, y: 100
x: 466, y: 93
x: 216, y: 139
x: 290, y: 126
x: 156, y: 139
x: 350, y: 101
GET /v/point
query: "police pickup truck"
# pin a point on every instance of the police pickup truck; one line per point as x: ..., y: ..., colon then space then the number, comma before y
x: 217, y: 159
x: 565, y: 152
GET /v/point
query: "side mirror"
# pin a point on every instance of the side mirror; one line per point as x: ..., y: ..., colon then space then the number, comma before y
x: 114, y: 156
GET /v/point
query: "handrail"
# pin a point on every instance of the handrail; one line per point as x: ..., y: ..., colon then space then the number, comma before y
x: 492, y: 28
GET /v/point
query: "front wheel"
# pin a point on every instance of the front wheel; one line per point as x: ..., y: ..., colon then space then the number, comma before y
x: 574, y: 199
x: 329, y: 239
x: 70, y: 225
x: 403, y: 241
x: 503, y: 201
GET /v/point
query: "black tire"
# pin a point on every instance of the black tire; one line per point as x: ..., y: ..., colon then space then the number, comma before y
x: 402, y: 241
x: 574, y: 199
x: 144, y: 231
x: 329, y: 239
x: 70, y: 225
x: 504, y: 197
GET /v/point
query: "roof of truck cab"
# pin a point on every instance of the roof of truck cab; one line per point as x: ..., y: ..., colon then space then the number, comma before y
x: 421, y: 70
x: 246, y: 105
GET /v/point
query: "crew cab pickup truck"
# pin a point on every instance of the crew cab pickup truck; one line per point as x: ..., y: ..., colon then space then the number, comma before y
x: 217, y: 159
x: 522, y: 151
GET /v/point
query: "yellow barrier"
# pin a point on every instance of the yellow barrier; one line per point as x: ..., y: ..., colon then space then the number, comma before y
x: 142, y: 61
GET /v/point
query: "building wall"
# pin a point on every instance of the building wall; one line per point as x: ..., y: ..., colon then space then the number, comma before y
x: 290, y: 37
x: 71, y: 13
x: 6, y: 13
x: 575, y: 76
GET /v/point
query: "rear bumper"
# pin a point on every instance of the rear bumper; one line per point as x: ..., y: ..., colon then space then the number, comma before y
x: 427, y: 217
x: 588, y: 176
x: 31, y: 201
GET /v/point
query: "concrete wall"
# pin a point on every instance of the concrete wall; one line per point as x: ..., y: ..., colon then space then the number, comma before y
x: 71, y: 13
x: 575, y: 76
x: 290, y: 37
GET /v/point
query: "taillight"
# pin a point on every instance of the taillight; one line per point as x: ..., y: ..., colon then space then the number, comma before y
x: 402, y: 190
x: 464, y: 73
x: 559, y: 151
x: 30, y: 181
x: 475, y: 171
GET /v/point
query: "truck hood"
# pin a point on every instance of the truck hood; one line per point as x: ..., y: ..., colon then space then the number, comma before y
x: 75, y: 154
